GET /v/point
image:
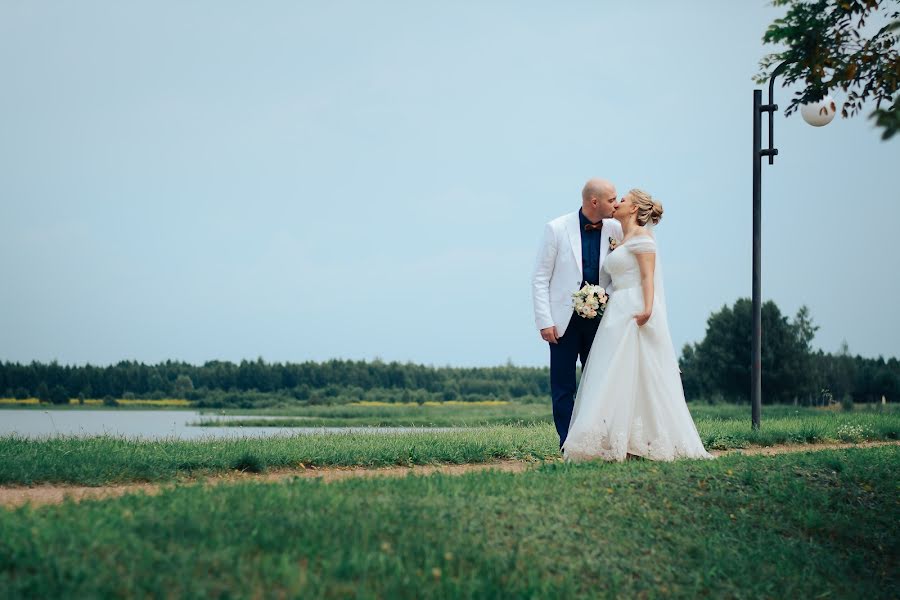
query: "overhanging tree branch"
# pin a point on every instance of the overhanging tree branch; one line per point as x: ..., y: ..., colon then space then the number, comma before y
x: 828, y: 49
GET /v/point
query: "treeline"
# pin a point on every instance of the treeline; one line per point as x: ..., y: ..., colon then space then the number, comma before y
x: 258, y: 383
x: 718, y: 367
x: 715, y: 369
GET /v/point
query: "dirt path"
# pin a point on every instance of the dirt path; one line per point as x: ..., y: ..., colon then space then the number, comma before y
x: 13, y: 496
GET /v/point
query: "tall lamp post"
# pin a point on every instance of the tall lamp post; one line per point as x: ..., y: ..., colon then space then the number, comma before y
x: 816, y: 114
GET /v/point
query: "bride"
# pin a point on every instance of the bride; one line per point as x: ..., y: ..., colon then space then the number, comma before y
x: 630, y: 401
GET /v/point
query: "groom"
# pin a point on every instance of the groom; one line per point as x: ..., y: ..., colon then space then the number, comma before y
x: 571, y: 255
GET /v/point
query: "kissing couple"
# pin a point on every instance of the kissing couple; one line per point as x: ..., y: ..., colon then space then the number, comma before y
x: 630, y: 401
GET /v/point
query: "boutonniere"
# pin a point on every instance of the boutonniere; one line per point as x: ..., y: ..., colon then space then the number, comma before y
x: 613, y: 243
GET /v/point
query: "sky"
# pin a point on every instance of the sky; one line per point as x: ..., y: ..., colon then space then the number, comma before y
x: 308, y: 180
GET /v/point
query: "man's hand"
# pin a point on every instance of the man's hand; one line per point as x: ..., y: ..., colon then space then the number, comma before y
x: 549, y: 335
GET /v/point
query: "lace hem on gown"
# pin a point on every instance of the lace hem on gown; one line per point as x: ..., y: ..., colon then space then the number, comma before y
x: 630, y: 399
x: 598, y: 443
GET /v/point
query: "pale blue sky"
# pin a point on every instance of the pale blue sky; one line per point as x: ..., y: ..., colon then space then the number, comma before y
x: 311, y: 180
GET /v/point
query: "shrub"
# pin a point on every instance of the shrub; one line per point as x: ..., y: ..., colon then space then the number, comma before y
x: 59, y: 395
x: 847, y: 403
x: 110, y: 401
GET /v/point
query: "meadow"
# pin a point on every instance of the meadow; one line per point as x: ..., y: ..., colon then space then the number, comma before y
x: 384, y: 414
x: 820, y: 524
x: 468, y: 414
x: 107, y: 459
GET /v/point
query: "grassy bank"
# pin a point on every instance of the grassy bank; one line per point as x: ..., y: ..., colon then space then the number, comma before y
x: 805, y: 525
x: 98, y: 460
x: 390, y: 415
x: 464, y: 414
x: 721, y: 427
x: 805, y: 427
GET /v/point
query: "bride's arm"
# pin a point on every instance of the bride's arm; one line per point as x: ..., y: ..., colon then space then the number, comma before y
x: 605, y: 279
x: 647, y: 263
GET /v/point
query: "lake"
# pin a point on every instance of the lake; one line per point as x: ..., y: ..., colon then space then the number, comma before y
x: 155, y: 424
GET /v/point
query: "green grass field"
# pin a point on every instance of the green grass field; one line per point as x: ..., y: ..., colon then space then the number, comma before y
x: 721, y: 427
x: 99, y: 460
x: 104, y: 459
x: 390, y: 415
x: 822, y: 524
x: 462, y: 415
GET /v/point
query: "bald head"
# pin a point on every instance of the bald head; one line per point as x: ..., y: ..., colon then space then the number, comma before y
x: 598, y: 199
x: 600, y: 188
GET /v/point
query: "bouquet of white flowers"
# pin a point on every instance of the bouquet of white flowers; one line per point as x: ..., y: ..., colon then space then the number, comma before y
x: 590, y: 301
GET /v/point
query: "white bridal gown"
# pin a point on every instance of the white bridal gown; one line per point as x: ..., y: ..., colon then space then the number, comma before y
x: 630, y: 399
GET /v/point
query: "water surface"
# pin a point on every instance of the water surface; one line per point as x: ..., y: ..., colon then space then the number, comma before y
x: 157, y: 424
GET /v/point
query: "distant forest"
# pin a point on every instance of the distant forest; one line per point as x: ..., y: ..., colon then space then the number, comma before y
x: 714, y: 370
x: 218, y: 383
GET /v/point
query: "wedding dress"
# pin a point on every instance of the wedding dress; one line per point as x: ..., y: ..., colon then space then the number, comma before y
x: 630, y: 399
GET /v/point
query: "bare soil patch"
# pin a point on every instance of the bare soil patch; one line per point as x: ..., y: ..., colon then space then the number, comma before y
x: 13, y: 496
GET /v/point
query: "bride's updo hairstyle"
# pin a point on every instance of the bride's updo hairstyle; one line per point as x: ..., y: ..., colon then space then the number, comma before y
x: 648, y: 209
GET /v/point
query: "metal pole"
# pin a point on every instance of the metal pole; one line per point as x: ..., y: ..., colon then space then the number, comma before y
x: 756, y: 340
x: 758, y: 153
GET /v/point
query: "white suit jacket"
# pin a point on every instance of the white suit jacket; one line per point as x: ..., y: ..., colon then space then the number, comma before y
x: 557, y: 271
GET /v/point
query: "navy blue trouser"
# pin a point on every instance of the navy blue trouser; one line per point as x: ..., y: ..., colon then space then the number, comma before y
x: 575, y: 344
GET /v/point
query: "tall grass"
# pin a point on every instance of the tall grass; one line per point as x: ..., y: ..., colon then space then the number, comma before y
x: 387, y: 415
x: 99, y: 460
x: 720, y: 426
x: 802, y: 428
x: 105, y: 459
